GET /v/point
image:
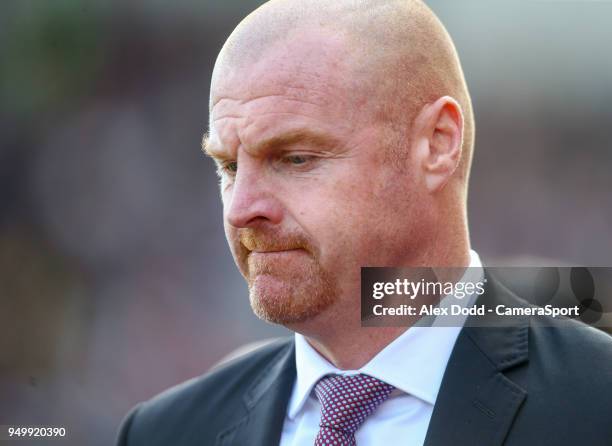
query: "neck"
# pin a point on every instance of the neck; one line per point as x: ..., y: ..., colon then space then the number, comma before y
x: 354, y: 351
x: 339, y: 337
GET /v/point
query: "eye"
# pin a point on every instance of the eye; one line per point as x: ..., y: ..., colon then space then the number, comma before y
x: 297, y: 159
x: 227, y: 168
x: 232, y: 166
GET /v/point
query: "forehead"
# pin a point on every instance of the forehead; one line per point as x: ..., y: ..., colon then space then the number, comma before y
x: 310, y: 67
x: 304, y: 80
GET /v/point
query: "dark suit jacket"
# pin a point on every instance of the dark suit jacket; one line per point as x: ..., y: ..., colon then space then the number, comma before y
x: 529, y: 383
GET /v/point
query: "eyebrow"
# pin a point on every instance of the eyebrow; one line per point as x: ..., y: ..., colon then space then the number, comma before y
x: 208, y: 148
x: 292, y: 137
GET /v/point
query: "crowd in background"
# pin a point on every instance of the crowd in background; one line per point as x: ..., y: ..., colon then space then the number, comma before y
x: 115, y: 278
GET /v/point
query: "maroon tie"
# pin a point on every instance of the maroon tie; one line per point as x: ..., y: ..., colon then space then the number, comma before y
x: 346, y: 401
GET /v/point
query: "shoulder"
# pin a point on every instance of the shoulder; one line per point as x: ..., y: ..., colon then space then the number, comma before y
x: 222, y: 381
x: 196, y: 404
x: 564, y: 368
x: 559, y: 342
x: 562, y: 348
x: 572, y: 350
x: 568, y: 374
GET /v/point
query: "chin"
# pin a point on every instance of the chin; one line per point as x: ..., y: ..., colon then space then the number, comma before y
x: 282, y: 302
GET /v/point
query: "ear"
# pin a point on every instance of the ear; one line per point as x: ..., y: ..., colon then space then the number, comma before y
x: 438, y: 136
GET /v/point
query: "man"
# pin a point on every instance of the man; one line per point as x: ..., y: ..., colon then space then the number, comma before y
x: 343, y: 135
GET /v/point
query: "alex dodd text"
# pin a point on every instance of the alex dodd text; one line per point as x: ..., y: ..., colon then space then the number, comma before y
x: 477, y: 310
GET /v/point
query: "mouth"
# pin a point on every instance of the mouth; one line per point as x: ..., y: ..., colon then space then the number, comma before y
x: 274, y: 253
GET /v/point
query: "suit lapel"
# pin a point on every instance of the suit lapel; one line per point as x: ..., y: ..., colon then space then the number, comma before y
x: 266, y: 404
x: 477, y: 402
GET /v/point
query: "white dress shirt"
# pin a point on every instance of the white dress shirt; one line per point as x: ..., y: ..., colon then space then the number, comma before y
x: 414, y: 363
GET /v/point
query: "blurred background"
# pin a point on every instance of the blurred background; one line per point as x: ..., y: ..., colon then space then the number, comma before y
x: 115, y: 278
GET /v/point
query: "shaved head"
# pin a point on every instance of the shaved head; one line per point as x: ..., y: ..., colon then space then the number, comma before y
x: 401, y: 56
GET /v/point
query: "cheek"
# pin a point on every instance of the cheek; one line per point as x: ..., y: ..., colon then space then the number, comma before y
x: 346, y: 221
x: 375, y: 220
x: 357, y: 217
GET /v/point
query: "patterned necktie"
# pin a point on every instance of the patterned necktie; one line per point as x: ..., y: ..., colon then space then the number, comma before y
x: 346, y: 401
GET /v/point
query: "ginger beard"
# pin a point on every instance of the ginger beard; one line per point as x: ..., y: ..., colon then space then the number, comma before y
x: 287, y: 282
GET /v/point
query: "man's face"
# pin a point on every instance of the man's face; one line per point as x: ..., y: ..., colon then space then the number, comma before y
x: 308, y: 193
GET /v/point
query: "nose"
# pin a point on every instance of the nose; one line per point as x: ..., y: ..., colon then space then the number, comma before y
x: 251, y: 200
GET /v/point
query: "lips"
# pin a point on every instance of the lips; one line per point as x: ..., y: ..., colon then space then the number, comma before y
x: 274, y: 254
x: 273, y: 251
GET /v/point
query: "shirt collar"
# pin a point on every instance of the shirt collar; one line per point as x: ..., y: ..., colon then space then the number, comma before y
x: 414, y: 362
